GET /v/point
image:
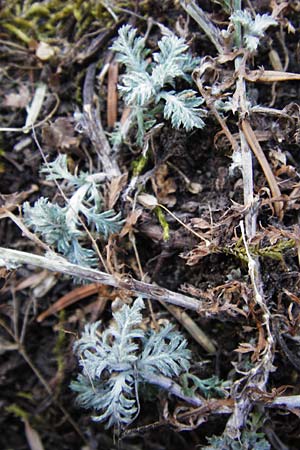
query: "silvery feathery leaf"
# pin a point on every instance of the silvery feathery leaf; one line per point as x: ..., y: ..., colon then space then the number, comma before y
x: 62, y: 227
x: 169, y: 61
x: 49, y: 220
x: 253, y: 30
x: 130, y: 49
x: 165, y: 74
x: 189, y: 64
x: 248, y: 441
x: 108, y: 362
x: 182, y: 109
x: 171, y: 48
x: 106, y: 222
x: 80, y: 255
x: 117, y: 359
x: 58, y: 170
x: 165, y: 352
x: 144, y: 86
x: 137, y: 88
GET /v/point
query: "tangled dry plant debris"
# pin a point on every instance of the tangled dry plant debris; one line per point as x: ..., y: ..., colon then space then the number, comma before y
x: 188, y: 195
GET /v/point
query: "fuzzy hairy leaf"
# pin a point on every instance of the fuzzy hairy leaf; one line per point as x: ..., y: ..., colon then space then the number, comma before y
x: 58, y: 170
x: 130, y: 49
x: 165, y: 74
x: 106, y: 222
x: 114, y: 352
x: 82, y: 256
x: 49, y: 221
x: 145, y: 86
x: 165, y: 352
x: 169, y: 61
x: 208, y: 386
x: 137, y: 89
x: 118, y: 402
x: 112, y: 399
x: 189, y: 64
x: 261, y: 23
x: 182, y: 109
x: 125, y: 331
x: 115, y: 361
x: 253, y: 30
x: 249, y: 441
x: 171, y: 48
x: 62, y: 227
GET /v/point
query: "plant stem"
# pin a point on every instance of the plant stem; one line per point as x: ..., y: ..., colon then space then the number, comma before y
x: 53, y: 262
x: 174, y: 388
x: 211, y: 31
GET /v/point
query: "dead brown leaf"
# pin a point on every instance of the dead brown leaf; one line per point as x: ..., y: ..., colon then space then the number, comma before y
x: 245, y: 347
x: 164, y: 186
x: 114, y: 189
x: 18, y: 100
x: 131, y: 220
x: 9, y: 202
x: 60, y: 134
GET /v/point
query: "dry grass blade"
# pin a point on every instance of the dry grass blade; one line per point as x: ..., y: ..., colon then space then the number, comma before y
x: 33, y: 438
x: 270, y: 76
x: 192, y: 328
x: 258, y: 152
x: 69, y: 299
x: 112, y: 94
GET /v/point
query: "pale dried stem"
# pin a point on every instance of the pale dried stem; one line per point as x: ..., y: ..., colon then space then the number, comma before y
x: 55, y: 263
x: 202, y: 19
x: 257, y: 377
x: 246, y: 155
x: 258, y: 152
x: 174, y: 388
x: 247, y: 171
x: 93, y: 127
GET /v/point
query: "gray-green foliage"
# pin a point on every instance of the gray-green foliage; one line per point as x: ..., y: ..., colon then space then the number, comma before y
x: 146, y: 85
x: 251, y: 438
x: 208, y: 387
x: 60, y: 226
x: 249, y: 441
x: 115, y: 361
x: 253, y: 29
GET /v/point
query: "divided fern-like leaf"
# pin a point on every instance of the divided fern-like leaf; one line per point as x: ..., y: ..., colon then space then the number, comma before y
x: 253, y: 30
x: 171, y: 50
x: 130, y: 49
x: 165, y: 352
x: 146, y: 85
x: 118, y: 402
x: 62, y: 227
x: 49, y: 220
x: 58, y: 170
x: 137, y: 89
x: 115, y: 361
x: 80, y: 255
x: 114, y: 351
x: 182, y: 109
